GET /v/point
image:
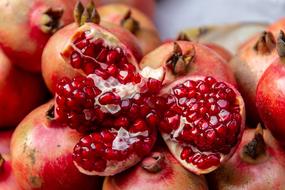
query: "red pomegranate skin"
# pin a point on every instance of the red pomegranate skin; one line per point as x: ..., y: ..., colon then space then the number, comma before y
x: 54, y: 67
x: 5, y: 138
x: 21, y: 33
x: 270, y: 100
x: 41, y: 153
x: 267, y: 172
x: 7, y: 178
x: 224, y: 53
x: 20, y: 92
x: 171, y: 176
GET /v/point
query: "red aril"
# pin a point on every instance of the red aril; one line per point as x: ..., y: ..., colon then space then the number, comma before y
x: 80, y: 53
x: 41, y: 151
x: 258, y: 163
x: 27, y: 25
x: 160, y: 170
x: 180, y: 58
x: 202, y: 121
x: 20, y: 92
x: 270, y: 94
x: 118, y: 116
x: 134, y: 21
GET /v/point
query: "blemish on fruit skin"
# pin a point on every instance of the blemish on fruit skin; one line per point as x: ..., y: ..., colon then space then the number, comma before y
x: 35, y: 181
x: 32, y: 157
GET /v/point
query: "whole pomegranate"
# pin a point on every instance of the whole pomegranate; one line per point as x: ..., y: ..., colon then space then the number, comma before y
x: 20, y: 92
x: 270, y: 94
x: 134, y: 21
x: 180, y: 58
x: 72, y: 51
x: 160, y: 170
x: 7, y: 178
x: 146, y: 6
x: 202, y: 121
x: 41, y: 151
x: 248, y: 66
x: 258, y: 164
x: 36, y: 20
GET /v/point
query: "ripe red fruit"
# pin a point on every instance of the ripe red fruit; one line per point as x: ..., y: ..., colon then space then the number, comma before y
x: 182, y: 58
x: 160, y: 170
x: 20, y: 92
x: 248, y: 66
x: 81, y: 50
x: 202, y: 123
x: 36, y: 20
x: 41, y: 151
x: 7, y: 178
x: 270, y: 94
x: 119, y: 116
x: 258, y: 163
x: 134, y: 21
x: 146, y: 6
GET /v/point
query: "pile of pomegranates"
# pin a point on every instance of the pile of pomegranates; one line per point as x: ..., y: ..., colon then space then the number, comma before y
x: 118, y: 109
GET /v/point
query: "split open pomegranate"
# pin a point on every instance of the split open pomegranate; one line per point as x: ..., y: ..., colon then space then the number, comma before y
x: 118, y: 117
x: 203, y: 121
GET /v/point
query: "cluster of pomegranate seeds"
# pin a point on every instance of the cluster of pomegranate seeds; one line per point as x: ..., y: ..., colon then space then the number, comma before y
x: 203, y: 116
x: 93, y: 56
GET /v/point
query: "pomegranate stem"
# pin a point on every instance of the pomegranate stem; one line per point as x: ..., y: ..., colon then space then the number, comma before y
x: 256, y: 147
x: 153, y: 164
x: 281, y: 44
x: 265, y: 43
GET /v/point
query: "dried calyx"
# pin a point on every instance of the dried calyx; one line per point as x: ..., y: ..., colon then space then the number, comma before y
x: 154, y: 163
x: 281, y: 44
x: 2, y: 161
x: 179, y: 62
x: 51, y: 20
x: 129, y: 23
x: 265, y: 43
x: 256, y: 148
x: 86, y: 14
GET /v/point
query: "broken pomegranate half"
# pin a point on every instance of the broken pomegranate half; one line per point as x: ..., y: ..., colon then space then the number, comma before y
x: 203, y: 121
x: 116, y: 112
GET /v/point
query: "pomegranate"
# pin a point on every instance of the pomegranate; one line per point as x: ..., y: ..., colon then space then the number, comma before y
x: 258, y: 163
x: 270, y: 94
x: 133, y: 20
x: 146, y: 6
x: 36, y: 20
x: 20, y: 92
x: 41, y: 151
x: 5, y: 138
x: 160, y: 170
x: 59, y: 56
x: 248, y: 66
x: 277, y: 26
x: 202, y: 123
x: 7, y: 179
x: 117, y: 114
x: 180, y: 58
x: 224, y: 53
